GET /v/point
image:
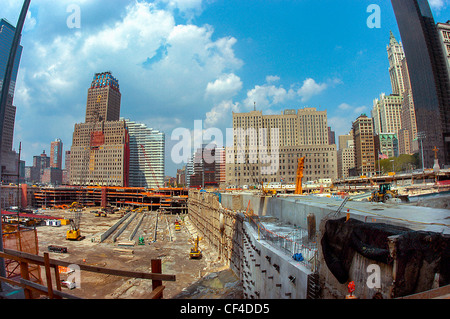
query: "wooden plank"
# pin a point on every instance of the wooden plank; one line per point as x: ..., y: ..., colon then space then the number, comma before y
x: 57, y: 278
x: 156, y: 268
x: 16, y: 255
x: 48, y: 276
x: 157, y: 293
x: 43, y: 289
x: 25, y: 274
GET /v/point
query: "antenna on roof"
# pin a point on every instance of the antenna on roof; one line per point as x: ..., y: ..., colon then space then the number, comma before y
x: 254, y: 106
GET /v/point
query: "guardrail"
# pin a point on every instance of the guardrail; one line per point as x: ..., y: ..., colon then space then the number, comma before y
x: 33, y: 288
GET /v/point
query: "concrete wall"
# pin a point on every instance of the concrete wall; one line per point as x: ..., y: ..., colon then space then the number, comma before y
x: 267, y: 273
x: 263, y: 269
x: 225, y: 228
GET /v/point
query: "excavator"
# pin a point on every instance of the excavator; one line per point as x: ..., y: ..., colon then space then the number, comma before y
x: 195, y: 252
x: 74, y: 233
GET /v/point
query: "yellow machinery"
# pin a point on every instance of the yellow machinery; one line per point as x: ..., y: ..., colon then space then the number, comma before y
x: 74, y: 233
x: 298, y: 181
x: 267, y: 191
x: 195, y: 252
x: 383, y: 193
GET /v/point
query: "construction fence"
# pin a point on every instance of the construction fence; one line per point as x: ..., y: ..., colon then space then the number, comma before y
x: 23, y: 240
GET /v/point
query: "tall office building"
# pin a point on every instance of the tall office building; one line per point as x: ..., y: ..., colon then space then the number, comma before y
x: 147, y: 149
x: 100, y: 148
x: 103, y: 101
x: 345, y: 155
x: 206, y: 169
x: 364, y: 145
x: 9, y: 157
x: 444, y: 36
x: 407, y: 135
x: 429, y: 74
x: 56, y: 150
x: 395, y: 56
x: 267, y: 147
x: 386, y: 113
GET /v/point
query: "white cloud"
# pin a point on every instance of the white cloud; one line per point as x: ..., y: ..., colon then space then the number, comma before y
x: 272, y: 78
x: 268, y: 95
x: 311, y: 88
x: 438, y: 4
x: 219, y: 114
x: 225, y: 87
x: 342, y: 123
x: 164, y: 69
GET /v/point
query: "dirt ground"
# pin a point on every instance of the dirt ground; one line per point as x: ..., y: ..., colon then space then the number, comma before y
x: 202, y: 278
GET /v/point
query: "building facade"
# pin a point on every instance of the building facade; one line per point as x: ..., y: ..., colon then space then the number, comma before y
x: 386, y: 113
x: 147, y: 151
x: 100, y: 150
x: 386, y: 144
x: 364, y: 145
x: 206, y: 171
x: 56, y: 151
x: 345, y: 155
x: 429, y: 74
x: 9, y: 156
x: 396, y: 55
x: 266, y: 148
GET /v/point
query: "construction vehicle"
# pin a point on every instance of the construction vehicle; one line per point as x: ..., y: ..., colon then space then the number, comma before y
x: 267, y: 191
x: 195, y: 252
x: 383, y: 194
x: 74, y: 233
x: 57, y: 249
x: 299, y: 178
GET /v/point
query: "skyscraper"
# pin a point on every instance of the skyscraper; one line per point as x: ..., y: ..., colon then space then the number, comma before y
x: 7, y: 31
x: 395, y: 56
x: 103, y: 101
x: 100, y: 148
x: 147, y: 149
x: 9, y: 157
x: 364, y: 145
x: 429, y: 74
x: 56, y: 149
x: 386, y: 113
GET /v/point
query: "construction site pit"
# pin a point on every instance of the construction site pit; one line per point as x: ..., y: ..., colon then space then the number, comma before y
x: 206, y: 277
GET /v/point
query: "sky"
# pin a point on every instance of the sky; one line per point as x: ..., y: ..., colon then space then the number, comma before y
x: 180, y: 61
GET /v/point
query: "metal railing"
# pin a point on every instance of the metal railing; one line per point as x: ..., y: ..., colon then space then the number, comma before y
x: 292, y: 243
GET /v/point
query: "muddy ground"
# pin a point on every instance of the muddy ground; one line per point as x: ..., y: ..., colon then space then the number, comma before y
x: 203, y: 278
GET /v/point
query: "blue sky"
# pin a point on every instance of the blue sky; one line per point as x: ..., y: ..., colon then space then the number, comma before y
x: 183, y: 60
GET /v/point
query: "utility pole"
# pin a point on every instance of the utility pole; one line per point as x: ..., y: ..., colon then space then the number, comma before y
x: 4, y: 99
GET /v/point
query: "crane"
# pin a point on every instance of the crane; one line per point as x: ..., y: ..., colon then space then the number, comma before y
x: 298, y: 182
x: 150, y: 166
